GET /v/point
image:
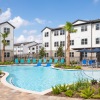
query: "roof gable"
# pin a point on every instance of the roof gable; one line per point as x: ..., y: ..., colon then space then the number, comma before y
x: 8, y: 23
x: 45, y: 28
x: 79, y: 22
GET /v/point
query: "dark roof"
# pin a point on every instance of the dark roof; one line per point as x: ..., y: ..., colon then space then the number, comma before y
x: 52, y: 29
x: 8, y: 23
x: 57, y: 28
x: 35, y: 45
x: 87, y: 22
x: 79, y: 20
x: 47, y: 27
x: 24, y: 43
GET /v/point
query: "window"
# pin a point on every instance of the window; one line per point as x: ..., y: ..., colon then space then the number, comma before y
x: 55, y: 33
x: 33, y: 52
x: 55, y: 54
x: 62, y: 43
x: 98, y: 26
x: 62, y: 32
x: 56, y: 44
x: 36, y: 47
x: 8, y: 42
x: 97, y: 40
x: 6, y: 54
x: 83, y: 28
x: 84, y: 41
x: 71, y: 54
x: 39, y: 46
x: 71, y: 42
x: 6, y: 30
x: 84, y: 54
x: 46, y: 34
x: 46, y: 55
x: 46, y: 44
x: 32, y: 48
x: 20, y: 50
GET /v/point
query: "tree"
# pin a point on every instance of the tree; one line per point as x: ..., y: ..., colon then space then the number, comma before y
x: 42, y: 52
x: 4, y: 42
x: 68, y: 27
x: 60, y: 52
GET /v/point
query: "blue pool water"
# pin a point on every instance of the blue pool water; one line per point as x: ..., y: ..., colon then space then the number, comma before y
x: 43, y: 78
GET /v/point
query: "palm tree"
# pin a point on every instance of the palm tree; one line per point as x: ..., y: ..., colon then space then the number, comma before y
x: 4, y: 42
x: 68, y: 27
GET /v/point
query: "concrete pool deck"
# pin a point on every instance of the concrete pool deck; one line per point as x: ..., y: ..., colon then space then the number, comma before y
x: 7, y: 93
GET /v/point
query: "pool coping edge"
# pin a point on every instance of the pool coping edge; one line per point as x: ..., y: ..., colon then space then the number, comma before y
x: 3, y: 80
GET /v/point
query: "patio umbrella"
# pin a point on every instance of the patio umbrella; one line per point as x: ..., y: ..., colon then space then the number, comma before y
x: 96, y: 50
x: 83, y: 50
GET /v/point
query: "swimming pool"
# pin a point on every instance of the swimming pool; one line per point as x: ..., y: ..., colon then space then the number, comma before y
x: 43, y: 78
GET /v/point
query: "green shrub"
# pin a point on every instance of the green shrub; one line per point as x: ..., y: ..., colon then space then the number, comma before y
x: 87, y: 93
x: 77, y: 67
x: 69, y: 93
x: 63, y: 88
x: 0, y: 72
x: 6, y: 63
x: 80, y: 84
x: 93, y: 82
x: 96, y: 96
x: 72, y: 87
x: 56, y: 90
x: 57, y: 65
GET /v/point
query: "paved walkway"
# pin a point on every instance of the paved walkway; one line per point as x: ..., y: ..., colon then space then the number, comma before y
x: 10, y: 94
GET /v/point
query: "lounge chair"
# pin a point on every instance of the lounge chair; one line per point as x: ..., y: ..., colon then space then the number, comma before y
x: 91, y: 62
x: 48, y: 65
x: 40, y: 61
x: 44, y: 61
x: 16, y: 61
x: 55, y: 61
x: 34, y: 61
x: 84, y: 62
x: 38, y: 64
x: 22, y: 61
x: 62, y: 61
x: 50, y: 61
x: 28, y: 61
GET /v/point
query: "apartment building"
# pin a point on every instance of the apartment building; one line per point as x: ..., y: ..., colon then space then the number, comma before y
x: 87, y: 36
x: 7, y: 27
x: 27, y: 49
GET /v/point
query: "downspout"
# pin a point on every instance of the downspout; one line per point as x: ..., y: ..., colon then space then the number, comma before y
x: 65, y: 44
x: 51, y: 44
x: 91, y: 40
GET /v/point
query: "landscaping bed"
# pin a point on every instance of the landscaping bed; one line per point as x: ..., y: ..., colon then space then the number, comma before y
x: 81, y: 89
x: 64, y: 66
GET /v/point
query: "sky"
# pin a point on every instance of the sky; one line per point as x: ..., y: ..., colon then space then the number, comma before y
x: 31, y: 16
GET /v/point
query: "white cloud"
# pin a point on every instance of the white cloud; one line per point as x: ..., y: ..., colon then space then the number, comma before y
x: 61, y: 25
x: 41, y: 21
x: 29, y: 32
x: 18, y: 22
x: 5, y: 16
x: 22, y: 38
